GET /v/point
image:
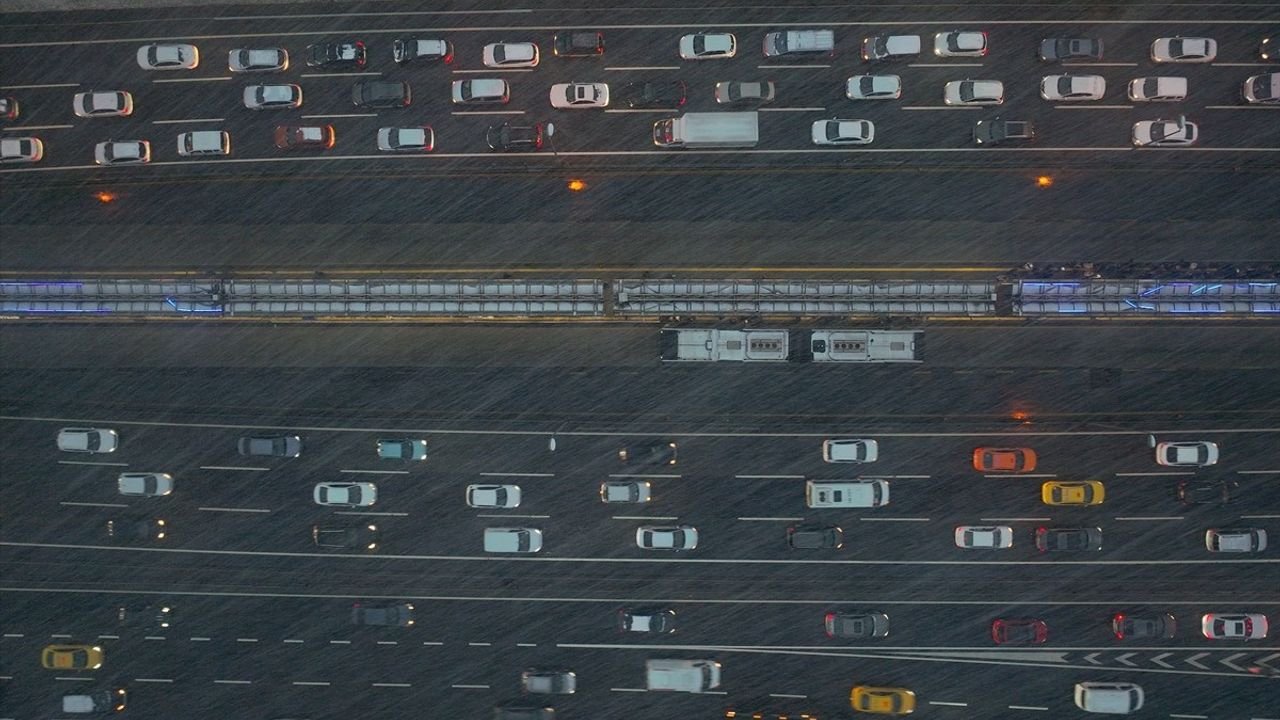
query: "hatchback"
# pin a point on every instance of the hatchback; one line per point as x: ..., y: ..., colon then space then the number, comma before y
x: 577, y: 43
x: 258, y: 60
x: 815, y: 537
x: 288, y: 446
x: 549, y: 682
x: 745, y: 93
x: 1184, y: 50
x: 412, y: 139
x: 856, y: 625
x: 626, y: 491
x: 272, y: 97
x: 1165, y: 133
x: 873, y: 87
x: 345, y: 494
x: 960, y: 43
x: 1065, y: 88
x: 145, y: 484
x: 406, y: 50
x: 493, y: 496
x: 88, y: 440
x: 122, y: 152
x: 511, y: 55
x: 708, y: 46
x: 1010, y: 460
x: 973, y: 92
x: 851, y: 450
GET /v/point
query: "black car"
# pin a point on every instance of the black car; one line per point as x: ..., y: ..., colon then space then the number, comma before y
x: 1140, y: 627
x: 1204, y: 492
x: 137, y: 529
x: 289, y: 446
x: 8, y: 108
x: 1068, y: 539
x: 381, y: 94
x: 510, y: 138
x: 815, y: 537
x: 670, y: 94
x: 1055, y: 49
x: 578, y: 43
x: 347, y: 537
x: 650, y: 621
x: 858, y: 625
x: 407, y: 50
x: 346, y: 54
x: 994, y: 132
x: 150, y: 617
x: 649, y: 452
x: 398, y: 615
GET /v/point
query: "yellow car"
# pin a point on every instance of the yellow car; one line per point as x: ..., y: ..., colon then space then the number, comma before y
x: 1084, y: 492
x: 71, y: 657
x: 882, y: 700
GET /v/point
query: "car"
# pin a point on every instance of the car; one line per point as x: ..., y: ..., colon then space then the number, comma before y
x: 122, y: 152
x: 850, y: 450
x: 1203, y: 492
x: 286, y: 446
x: 651, y: 621
x: 88, y: 440
x: 1069, y: 87
x: 878, y: 48
x: 145, y: 484
x: 873, y: 87
x: 113, y: 103
x: 667, y: 537
x: 579, y: 96
x: 1061, y: 539
x: 994, y: 132
x: 71, y: 657
x: 511, y: 55
x: 521, y: 711
x: 1004, y: 460
x: 875, y: 700
x: 1184, y: 50
x: 137, y: 528
x: 204, y: 142
x: 649, y: 452
x: 145, y: 616
x: 401, y: 448
x: 837, y: 131
x: 708, y: 46
x: 1235, y: 540
x: 745, y: 93
x: 304, y: 137
x: 412, y: 139
x: 577, y: 43
x: 984, y: 537
x: 666, y: 94
x: 973, y: 92
x: 9, y: 108
x: 344, y: 54
x: 846, y: 493
x: 1238, y: 626
x: 381, y: 94
x: 1063, y: 492
x: 1108, y: 698
x: 549, y: 682
x: 407, y: 50
x: 247, y: 60
x: 1165, y: 133
x: 512, y: 540
x: 272, y: 97
x: 1161, y: 626
x: 345, y: 494
x: 395, y: 615
x: 176, y: 56
x: 626, y: 491
x: 480, y: 91
x: 97, y: 701
x: 1019, y: 631
x: 1261, y: 89
x: 365, y: 536
x: 514, y: 138
x: 493, y: 496
x: 21, y: 150
x: 855, y: 624
x: 1269, y: 48
x: 1157, y: 89
x: 1187, y: 454
x: 960, y: 43
x: 1058, y: 49
x: 780, y: 43
x: 815, y: 537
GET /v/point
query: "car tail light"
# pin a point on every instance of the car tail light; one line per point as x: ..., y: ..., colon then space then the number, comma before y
x: 986, y: 46
x: 447, y: 59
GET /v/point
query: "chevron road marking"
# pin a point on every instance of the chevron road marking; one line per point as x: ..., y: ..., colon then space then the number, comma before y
x: 1125, y: 659
x: 1192, y: 660
x: 1159, y: 660
x: 1090, y: 658
x: 1230, y: 662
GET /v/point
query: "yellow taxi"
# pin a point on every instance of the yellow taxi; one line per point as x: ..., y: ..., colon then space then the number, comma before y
x: 1083, y: 492
x: 882, y: 700
x: 71, y: 657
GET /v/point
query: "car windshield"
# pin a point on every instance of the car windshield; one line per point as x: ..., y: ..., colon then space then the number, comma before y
x: 867, y: 85
x: 1064, y: 85
x: 699, y: 44
x: 1176, y: 47
x: 1150, y: 87
x: 499, y: 53
x: 953, y: 42
x: 881, y: 46
x: 967, y: 91
x: 833, y: 133
x: 353, y: 495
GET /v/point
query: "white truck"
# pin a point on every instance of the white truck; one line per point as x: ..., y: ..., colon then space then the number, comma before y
x: 708, y: 130
x: 800, y: 42
x: 761, y: 345
x: 691, y: 676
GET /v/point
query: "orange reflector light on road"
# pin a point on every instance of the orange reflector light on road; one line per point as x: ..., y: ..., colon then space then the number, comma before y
x: 105, y: 197
x: 577, y: 185
x: 1044, y: 181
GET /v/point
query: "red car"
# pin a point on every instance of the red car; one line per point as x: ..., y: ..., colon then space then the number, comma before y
x: 1010, y: 460
x: 304, y: 137
x: 1019, y: 632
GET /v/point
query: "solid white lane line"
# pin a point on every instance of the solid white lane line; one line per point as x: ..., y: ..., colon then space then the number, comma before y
x: 647, y: 518
x: 232, y: 682
x: 243, y: 510
x: 382, y: 514
x: 516, y: 474
x: 338, y: 115
x: 234, y: 467
x: 795, y: 109
x: 89, y: 504
x: 640, y: 475
x: 190, y: 80
x: 191, y: 120
x: 770, y: 519
x: 350, y: 74
x: 470, y: 687
x: 487, y: 112
x: 376, y: 472
x: 627, y: 68
x: 96, y: 464
x: 1153, y: 474
x: 894, y: 519
x: 1151, y: 517
x: 392, y: 685
x: 1015, y: 475
x: 769, y: 477
x: 21, y: 128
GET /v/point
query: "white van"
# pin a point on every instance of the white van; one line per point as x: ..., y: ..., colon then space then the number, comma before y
x: 846, y: 493
x: 890, y: 47
x: 512, y: 540
x: 102, y: 701
x: 1107, y: 698
x: 204, y: 142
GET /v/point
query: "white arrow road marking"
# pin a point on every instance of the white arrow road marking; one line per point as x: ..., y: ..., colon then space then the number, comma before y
x: 1267, y: 660
x: 1159, y: 660
x: 1192, y: 660
x: 1230, y: 662
x: 1090, y: 658
x: 1125, y: 659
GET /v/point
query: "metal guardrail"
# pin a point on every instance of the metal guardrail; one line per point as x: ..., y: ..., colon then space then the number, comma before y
x: 1146, y: 297
x: 801, y: 297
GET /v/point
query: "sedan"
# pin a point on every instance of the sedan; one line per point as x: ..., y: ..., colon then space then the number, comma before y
x: 304, y: 137
x: 815, y: 537
x: 123, y: 152
x: 168, y: 57
x: 1243, y: 626
x: 1157, y: 89
x: 71, y: 657
x: 272, y: 97
x: 1068, y: 539
x: 882, y: 700
x: 345, y: 494
x: 1203, y: 492
x: 1072, y: 87
x: 145, y: 484
x: 137, y: 529
x: 493, y: 496
x: 258, y: 60
x: 1165, y: 133
x: 397, y: 615
x: 1187, y: 454
x: 549, y: 682
x: 745, y: 93
x: 1142, y: 627
x: 873, y: 87
x: 381, y: 94
x: 21, y: 150
x: 1184, y: 50
x: 401, y: 448
x: 1004, y: 460
x: 651, y: 621
x: 708, y: 46
x: 626, y: 491
x: 287, y: 446
x: 514, y: 138
x: 850, y: 451
x: 842, y: 132
x: 984, y: 537
x: 345, y: 54
x: 1082, y: 492
x: 347, y: 537
x: 666, y: 537
x: 414, y: 139
x: 669, y: 94
x: 973, y: 92
x: 856, y: 625
x: 1026, y: 631
x: 406, y: 50
x: 511, y: 55
x: 114, y: 103
x: 1058, y: 49
x: 649, y: 452
x: 1235, y: 540
x: 579, y: 96
x: 960, y: 43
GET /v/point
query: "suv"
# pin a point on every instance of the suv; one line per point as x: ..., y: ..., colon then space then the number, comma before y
x: 398, y: 615
x: 1107, y: 698
x: 1055, y: 49
x: 577, y: 43
x: 480, y: 90
x: 815, y: 537
x: 406, y: 50
x: 890, y: 47
x: 381, y: 94
x: 1235, y: 540
x: 204, y: 142
x: 289, y: 446
x: 513, y: 138
x: 994, y: 132
x: 800, y: 42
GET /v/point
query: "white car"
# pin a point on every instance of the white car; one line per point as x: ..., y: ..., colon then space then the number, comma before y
x: 984, y: 537
x: 1109, y: 698
x: 1187, y: 454
x: 666, y: 537
x: 960, y: 43
x: 1157, y: 89
x: 1073, y: 87
x: 708, y: 46
x: 412, y: 139
x: 145, y: 484
x: 88, y: 440
x: 1235, y: 540
x: 1184, y: 50
x: 850, y: 451
x: 873, y: 87
x: 493, y: 496
x: 125, y: 152
x: 21, y: 150
x: 1263, y: 89
x: 626, y: 491
x: 1164, y: 133
x: 1241, y: 626
x: 480, y: 91
x: 512, y: 540
x: 973, y: 92
x: 177, y: 56
x: 579, y: 96
x: 511, y: 55
x: 272, y: 97
x: 114, y: 103
x: 345, y: 494
x: 258, y: 60
x: 843, y: 132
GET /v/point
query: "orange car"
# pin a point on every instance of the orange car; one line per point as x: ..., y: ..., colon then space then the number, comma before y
x: 1010, y: 460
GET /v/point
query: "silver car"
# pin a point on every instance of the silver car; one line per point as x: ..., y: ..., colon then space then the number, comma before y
x: 175, y: 56
x: 345, y: 494
x: 1235, y: 540
x: 21, y: 150
x: 1187, y: 454
x: 493, y: 496
x: 1165, y: 133
x: 1184, y: 50
x: 549, y: 682
x: 708, y: 46
x: 626, y: 491
x: 839, y: 131
x: 126, y: 152
x: 1239, y: 626
x: 850, y: 451
x: 973, y: 92
x: 960, y: 43
x: 248, y: 60
x: 745, y: 93
x: 984, y: 537
x: 272, y: 97
x: 402, y: 449
x: 88, y: 440
x: 667, y: 537
x: 873, y: 87
x: 1157, y: 89
x: 1072, y: 87
x: 145, y: 484
x: 113, y: 103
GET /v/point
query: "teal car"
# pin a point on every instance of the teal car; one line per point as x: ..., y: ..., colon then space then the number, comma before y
x: 402, y: 449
